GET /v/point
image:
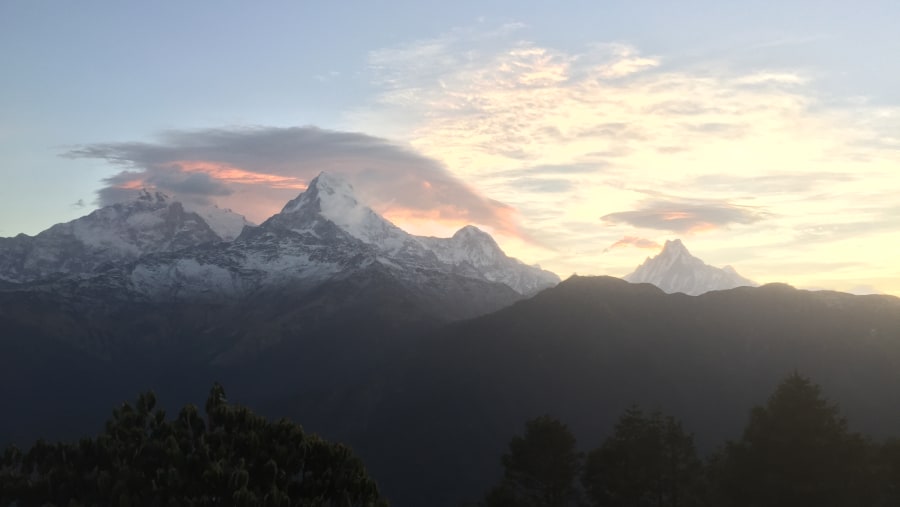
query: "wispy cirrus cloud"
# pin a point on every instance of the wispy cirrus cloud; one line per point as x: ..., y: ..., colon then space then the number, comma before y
x: 757, y: 150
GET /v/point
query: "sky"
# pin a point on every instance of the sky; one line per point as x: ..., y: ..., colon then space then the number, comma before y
x: 582, y: 135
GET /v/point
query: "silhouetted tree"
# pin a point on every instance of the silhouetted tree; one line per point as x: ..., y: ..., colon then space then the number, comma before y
x: 540, y: 468
x: 796, y: 451
x: 887, y: 465
x: 648, y: 461
x: 234, y: 457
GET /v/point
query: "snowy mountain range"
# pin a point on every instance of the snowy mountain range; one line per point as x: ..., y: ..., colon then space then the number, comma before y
x: 153, y: 248
x: 122, y: 232
x: 676, y: 270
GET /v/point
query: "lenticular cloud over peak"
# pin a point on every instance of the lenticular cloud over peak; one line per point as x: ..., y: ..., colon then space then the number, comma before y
x: 255, y: 170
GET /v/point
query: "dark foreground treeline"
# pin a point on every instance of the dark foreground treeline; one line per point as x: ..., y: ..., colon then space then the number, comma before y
x: 231, y: 457
x: 796, y: 451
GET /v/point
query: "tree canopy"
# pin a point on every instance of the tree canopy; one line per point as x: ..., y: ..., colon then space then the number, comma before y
x: 796, y: 451
x: 649, y: 461
x: 540, y: 467
x: 232, y: 457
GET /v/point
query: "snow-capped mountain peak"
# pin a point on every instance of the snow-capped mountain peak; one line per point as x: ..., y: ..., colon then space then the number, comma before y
x: 160, y: 247
x: 154, y: 197
x: 471, y: 251
x: 331, y: 197
x: 470, y: 234
x: 470, y: 246
x: 224, y: 222
x: 151, y: 222
x: 329, y: 191
x: 675, y: 248
x: 676, y: 270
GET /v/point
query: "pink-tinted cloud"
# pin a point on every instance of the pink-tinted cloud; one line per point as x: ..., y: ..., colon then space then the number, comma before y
x: 254, y: 171
x: 231, y: 174
x: 635, y: 242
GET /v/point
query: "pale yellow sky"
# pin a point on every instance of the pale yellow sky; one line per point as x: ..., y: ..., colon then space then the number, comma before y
x: 579, y: 150
x: 757, y: 170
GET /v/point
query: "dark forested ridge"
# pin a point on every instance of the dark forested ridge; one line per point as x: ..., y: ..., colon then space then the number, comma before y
x: 421, y: 400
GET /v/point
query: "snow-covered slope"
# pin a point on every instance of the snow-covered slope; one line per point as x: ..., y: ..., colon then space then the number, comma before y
x: 470, y: 252
x: 224, y: 222
x: 471, y: 246
x: 330, y: 198
x: 676, y: 270
x: 122, y: 232
x: 323, y: 235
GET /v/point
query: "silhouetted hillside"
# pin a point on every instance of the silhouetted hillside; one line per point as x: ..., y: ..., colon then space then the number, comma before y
x: 591, y: 347
x: 429, y: 405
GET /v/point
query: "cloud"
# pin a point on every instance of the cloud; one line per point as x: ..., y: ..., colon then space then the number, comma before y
x: 685, y: 217
x: 883, y: 221
x: 544, y: 185
x: 553, y: 170
x: 256, y: 170
x: 634, y: 241
x: 649, y: 142
x: 771, y: 184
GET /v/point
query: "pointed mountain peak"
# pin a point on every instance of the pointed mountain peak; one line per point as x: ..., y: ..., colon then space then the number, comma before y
x: 325, y: 188
x: 332, y: 188
x: 333, y: 199
x: 673, y: 247
x: 331, y: 184
x: 676, y: 270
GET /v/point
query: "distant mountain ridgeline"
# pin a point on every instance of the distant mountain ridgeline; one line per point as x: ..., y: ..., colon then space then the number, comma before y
x: 591, y: 347
x: 422, y: 399
x: 424, y: 354
x: 146, y: 294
